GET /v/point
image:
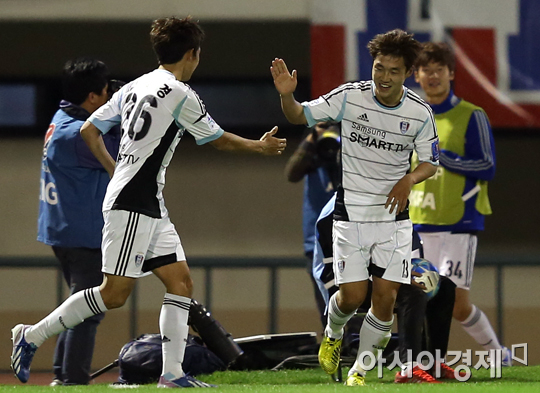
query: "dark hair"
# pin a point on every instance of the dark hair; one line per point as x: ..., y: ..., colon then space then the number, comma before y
x: 83, y: 76
x: 396, y: 43
x: 437, y: 52
x: 171, y: 38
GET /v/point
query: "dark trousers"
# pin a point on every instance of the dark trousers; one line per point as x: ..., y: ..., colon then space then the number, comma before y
x: 75, y: 346
x: 439, y: 312
x: 411, y: 305
x: 430, y: 333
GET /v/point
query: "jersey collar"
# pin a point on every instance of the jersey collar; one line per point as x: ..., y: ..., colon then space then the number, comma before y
x: 74, y: 111
x: 401, y: 100
x: 166, y: 72
x: 449, y: 103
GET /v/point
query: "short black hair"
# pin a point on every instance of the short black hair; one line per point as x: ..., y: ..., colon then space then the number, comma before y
x: 396, y: 43
x: 437, y: 52
x: 172, y: 37
x: 82, y: 76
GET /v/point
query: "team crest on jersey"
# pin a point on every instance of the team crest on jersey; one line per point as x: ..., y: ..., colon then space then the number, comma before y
x: 48, y: 136
x: 139, y: 258
x: 211, y: 122
x: 341, y: 266
x: 404, y: 126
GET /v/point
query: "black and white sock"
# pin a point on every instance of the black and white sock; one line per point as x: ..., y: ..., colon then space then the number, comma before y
x: 374, y: 335
x: 173, y: 325
x: 336, y: 319
x: 73, y: 311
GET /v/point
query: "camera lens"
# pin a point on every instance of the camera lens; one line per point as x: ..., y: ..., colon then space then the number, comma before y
x: 328, y: 145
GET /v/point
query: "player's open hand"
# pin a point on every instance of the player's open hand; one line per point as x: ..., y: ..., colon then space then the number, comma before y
x: 285, y: 82
x: 271, y: 145
x: 398, y: 196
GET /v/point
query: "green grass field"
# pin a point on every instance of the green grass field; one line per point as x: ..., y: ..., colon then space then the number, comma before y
x: 516, y: 379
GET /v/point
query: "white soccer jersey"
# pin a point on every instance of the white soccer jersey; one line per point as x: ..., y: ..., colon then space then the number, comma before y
x: 154, y: 110
x: 377, y: 142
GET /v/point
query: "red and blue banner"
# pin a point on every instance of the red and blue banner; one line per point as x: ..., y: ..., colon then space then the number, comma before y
x: 496, y: 45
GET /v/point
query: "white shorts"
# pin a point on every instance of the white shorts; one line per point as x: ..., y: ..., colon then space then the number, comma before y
x: 453, y: 254
x: 134, y: 244
x: 385, y: 244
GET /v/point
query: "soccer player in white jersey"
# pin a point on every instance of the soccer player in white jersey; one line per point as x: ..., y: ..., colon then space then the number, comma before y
x: 382, y: 123
x: 138, y: 236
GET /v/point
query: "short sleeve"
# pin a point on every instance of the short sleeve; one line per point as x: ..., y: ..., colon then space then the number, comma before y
x: 327, y: 107
x: 426, y: 142
x: 108, y: 115
x: 191, y: 114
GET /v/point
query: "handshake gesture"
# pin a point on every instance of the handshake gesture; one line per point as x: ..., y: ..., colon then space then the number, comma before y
x: 271, y: 145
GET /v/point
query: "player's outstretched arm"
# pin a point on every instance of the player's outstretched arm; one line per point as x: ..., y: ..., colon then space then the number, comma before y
x: 286, y: 85
x: 397, y: 198
x: 268, y: 145
x: 92, y: 136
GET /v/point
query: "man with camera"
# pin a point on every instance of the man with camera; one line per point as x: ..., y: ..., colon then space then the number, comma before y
x: 316, y: 161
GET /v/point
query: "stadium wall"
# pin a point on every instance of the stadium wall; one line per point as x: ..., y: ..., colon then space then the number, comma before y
x: 241, y: 205
x: 240, y: 304
x: 240, y: 49
x: 144, y: 10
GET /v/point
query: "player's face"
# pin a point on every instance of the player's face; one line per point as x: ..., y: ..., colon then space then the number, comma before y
x: 104, y: 96
x: 96, y: 100
x: 434, y: 79
x: 389, y: 74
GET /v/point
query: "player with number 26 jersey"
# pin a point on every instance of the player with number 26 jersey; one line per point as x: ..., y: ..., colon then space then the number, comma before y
x: 154, y: 110
x: 138, y: 237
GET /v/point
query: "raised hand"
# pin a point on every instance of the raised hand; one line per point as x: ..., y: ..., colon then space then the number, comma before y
x: 285, y: 82
x: 271, y: 145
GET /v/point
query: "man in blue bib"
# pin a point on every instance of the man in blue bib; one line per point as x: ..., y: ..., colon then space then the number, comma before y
x: 73, y: 185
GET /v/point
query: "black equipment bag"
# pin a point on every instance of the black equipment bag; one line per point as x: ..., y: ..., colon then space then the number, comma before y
x: 140, y: 360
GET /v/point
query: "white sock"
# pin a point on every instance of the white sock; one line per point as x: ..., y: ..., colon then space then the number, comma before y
x: 173, y: 325
x: 73, y: 311
x: 374, y: 335
x: 479, y: 328
x: 336, y: 319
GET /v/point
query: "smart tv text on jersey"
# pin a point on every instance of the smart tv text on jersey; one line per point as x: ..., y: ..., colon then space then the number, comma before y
x: 366, y: 141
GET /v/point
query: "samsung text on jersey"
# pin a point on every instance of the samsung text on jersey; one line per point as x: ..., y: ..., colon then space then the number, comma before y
x: 366, y: 141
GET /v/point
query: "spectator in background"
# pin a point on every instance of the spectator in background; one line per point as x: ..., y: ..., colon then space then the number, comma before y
x: 316, y: 161
x: 449, y: 208
x: 73, y: 185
